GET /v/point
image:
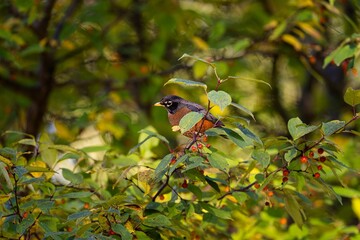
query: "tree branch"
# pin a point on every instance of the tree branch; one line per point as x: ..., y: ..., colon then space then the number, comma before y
x: 68, y: 13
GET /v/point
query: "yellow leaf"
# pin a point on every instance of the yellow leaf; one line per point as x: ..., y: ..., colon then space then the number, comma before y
x: 37, y: 164
x: 231, y: 198
x: 307, y: 28
x: 200, y: 69
x: 68, y: 45
x: 293, y: 41
x: 305, y: 3
x: 355, y: 203
x: 115, y: 97
x: 4, y: 198
x: 6, y: 161
x: 200, y: 43
x: 63, y: 131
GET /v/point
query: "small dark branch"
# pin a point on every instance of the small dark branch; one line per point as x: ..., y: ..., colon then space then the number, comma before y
x: 161, y: 188
x: 16, y: 198
x: 68, y: 13
x: 243, y: 189
x: 275, y: 89
x: 28, y: 231
x: 17, y: 87
x: 40, y: 27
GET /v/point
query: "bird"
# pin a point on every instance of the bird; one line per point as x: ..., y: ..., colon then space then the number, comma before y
x: 178, y: 107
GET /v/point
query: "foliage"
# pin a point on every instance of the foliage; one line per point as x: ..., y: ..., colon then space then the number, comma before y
x: 84, y: 155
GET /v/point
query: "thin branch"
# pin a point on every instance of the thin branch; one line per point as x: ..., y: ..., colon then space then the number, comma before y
x: 161, y: 188
x: 243, y: 189
x: 68, y: 13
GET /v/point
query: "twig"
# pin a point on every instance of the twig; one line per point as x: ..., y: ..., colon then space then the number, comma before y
x: 243, y: 189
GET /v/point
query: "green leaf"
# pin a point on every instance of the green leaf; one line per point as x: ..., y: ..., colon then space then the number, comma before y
x: 298, y: 129
x: 72, y: 177
x: 262, y: 157
x: 20, y: 171
x: 185, y: 55
x: 154, y: 134
x: 186, y: 83
x: 244, y: 109
x: 332, y: 127
x: 290, y: 154
x: 194, y: 162
x: 215, y: 211
x: 220, y: 98
x: 5, y: 175
x: 162, y: 167
x: 280, y: 29
x: 293, y: 208
x: 344, y: 52
x: 233, y: 136
x: 33, y: 49
x: 268, y: 179
x: 195, y: 190
x: 352, y: 97
x: 27, y: 141
x: 249, y: 136
x: 156, y: 220
x: 213, y: 184
x: 242, y: 44
x: 240, y: 196
x: 251, y: 80
x: 347, y: 192
x: 179, y: 161
x: 75, y: 195
x: 120, y: 229
x: 200, y: 69
x: 81, y: 214
x: 25, y: 224
x: 189, y: 120
x: 142, y: 236
x: 218, y: 161
x: 91, y: 149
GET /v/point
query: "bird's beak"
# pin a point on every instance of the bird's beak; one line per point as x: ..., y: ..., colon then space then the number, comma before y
x: 158, y: 104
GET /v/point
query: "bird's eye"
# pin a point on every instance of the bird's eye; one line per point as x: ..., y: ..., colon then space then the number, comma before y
x: 168, y: 103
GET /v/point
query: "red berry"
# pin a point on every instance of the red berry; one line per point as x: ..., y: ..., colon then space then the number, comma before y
x: 193, y: 148
x: 111, y: 232
x: 257, y: 185
x: 200, y: 146
x: 303, y: 159
x: 320, y: 151
x: 319, y: 167
x: 86, y: 205
x: 173, y: 160
x: 161, y: 197
x: 25, y: 215
x: 205, y: 138
x: 184, y: 184
x: 322, y: 159
x: 311, y: 154
x: 316, y: 175
x: 285, y: 179
x: 208, y: 145
x: 286, y: 172
x: 270, y: 193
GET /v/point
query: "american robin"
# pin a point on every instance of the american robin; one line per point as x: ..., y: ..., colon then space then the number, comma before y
x: 178, y: 107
